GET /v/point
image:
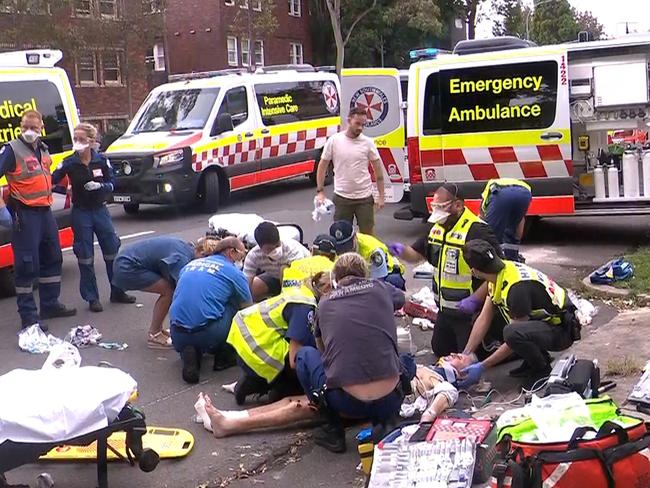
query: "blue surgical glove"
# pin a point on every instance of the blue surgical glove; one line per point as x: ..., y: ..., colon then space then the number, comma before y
x: 471, y: 375
x: 470, y: 305
x: 5, y: 218
x: 396, y: 248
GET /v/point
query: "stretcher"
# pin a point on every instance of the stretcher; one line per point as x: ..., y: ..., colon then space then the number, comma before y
x: 130, y: 421
x: 244, y: 225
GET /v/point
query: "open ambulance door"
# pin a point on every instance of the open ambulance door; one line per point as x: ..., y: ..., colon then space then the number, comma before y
x: 378, y: 92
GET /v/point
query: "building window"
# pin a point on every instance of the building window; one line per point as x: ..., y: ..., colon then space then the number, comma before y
x: 108, y: 9
x: 295, y: 53
x: 111, y: 69
x: 259, y: 53
x: 257, y: 5
x: 294, y: 8
x: 159, y: 57
x: 152, y: 6
x: 245, y: 52
x: 83, y: 8
x: 243, y: 4
x: 233, y: 57
x: 87, y: 69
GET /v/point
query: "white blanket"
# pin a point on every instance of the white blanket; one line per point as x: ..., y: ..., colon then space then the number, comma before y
x: 51, y: 405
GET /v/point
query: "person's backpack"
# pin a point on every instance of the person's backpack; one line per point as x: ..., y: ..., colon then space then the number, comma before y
x: 615, y: 270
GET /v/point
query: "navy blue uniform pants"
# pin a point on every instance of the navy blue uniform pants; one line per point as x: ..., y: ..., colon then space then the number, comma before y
x: 37, y: 256
x: 506, y: 207
x: 86, y: 224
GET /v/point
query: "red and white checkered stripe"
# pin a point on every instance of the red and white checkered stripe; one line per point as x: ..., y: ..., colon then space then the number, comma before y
x: 479, y: 164
x: 393, y: 160
x: 265, y: 148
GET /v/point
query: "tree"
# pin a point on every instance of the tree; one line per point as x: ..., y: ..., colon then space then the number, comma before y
x: 254, y: 20
x: 470, y: 11
x: 587, y: 22
x: 553, y: 23
x: 510, y: 18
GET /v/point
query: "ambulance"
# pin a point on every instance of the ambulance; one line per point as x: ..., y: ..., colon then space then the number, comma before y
x: 504, y: 108
x: 30, y: 80
x: 204, y: 135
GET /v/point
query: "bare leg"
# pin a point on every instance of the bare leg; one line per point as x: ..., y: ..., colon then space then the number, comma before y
x: 164, y: 289
x: 259, y: 290
x: 280, y: 414
x: 439, y: 405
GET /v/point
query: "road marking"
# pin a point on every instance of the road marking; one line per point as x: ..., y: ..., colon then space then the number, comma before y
x: 123, y: 238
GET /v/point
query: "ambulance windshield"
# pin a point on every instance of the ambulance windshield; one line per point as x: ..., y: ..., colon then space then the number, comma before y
x: 177, y: 110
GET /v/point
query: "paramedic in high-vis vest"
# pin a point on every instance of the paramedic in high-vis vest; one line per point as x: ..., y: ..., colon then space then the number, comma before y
x: 267, y: 336
x: 539, y: 313
x: 504, y: 204
x: 383, y: 265
x: 458, y: 293
x: 26, y: 164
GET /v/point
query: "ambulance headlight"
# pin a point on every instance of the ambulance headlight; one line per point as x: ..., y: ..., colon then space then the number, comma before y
x: 167, y: 188
x: 171, y: 157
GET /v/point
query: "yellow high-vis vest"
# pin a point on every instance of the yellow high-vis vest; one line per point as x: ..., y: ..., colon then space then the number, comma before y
x: 501, y: 182
x: 514, y: 273
x: 368, y: 244
x: 452, y: 276
x: 302, y: 270
x: 257, y: 333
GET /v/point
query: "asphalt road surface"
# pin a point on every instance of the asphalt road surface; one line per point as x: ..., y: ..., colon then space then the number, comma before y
x: 567, y: 249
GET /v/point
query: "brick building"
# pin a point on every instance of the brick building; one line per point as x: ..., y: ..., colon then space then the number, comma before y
x: 204, y: 35
x: 107, y: 50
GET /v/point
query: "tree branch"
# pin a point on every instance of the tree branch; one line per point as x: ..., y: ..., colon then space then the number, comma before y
x: 357, y: 20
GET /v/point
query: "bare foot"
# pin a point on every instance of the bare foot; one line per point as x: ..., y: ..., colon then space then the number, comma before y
x: 217, y: 420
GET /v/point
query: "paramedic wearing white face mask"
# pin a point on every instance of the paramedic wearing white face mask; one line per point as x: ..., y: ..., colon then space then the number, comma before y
x: 92, y: 180
x: 458, y: 293
x: 265, y: 262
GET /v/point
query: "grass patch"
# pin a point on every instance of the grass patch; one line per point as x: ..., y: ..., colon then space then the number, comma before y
x: 640, y: 282
x: 625, y: 367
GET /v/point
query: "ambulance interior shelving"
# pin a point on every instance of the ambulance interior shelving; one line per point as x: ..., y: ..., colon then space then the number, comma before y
x: 610, y: 119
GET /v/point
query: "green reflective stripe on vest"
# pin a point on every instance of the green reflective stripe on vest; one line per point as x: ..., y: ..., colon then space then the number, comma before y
x: 452, y: 275
x: 501, y: 182
x: 258, y: 333
x: 514, y: 273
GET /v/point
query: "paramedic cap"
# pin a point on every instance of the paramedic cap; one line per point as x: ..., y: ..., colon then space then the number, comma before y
x: 343, y: 232
x: 325, y: 244
x: 480, y: 255
x: 378, y: 264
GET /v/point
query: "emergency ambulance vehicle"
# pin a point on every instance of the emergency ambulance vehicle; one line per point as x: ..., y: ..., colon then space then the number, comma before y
x: 29, y: 80
x: 501, y: 108
x: 204, y: 135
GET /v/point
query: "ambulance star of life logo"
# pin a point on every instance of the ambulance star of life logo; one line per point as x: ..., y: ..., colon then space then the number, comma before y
x: 331, y: 97
x: 374, y: 102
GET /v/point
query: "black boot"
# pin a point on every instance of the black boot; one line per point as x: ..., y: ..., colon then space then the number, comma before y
x: 118, y: 296
x: 225, y: 357
x: 59, y: 311
x: 331, y: 437
x: 249, y: 385
x: 191, y: 358
x: 520, y: 371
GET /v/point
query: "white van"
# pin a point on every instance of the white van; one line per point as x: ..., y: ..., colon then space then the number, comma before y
x: 205, y: 135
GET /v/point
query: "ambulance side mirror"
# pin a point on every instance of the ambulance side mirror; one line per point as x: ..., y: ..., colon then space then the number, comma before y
x: 222, y: 124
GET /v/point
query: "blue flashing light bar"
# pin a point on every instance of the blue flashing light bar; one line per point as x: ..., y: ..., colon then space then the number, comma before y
x: 427, y: 52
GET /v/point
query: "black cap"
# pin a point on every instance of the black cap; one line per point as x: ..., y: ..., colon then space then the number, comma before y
x: 343, y: 232
x: 480, y: 255
x: 325, y: 244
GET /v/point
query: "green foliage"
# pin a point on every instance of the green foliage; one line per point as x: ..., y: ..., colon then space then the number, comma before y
x: 510, y: 18
x: 257, y: 22
x: 557, y: 22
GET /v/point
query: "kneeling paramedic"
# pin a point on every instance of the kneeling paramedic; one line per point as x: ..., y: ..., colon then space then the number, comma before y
x: 92, y: 179
x: 383, y: 265
x: 539, y: 313
x: 267, y: 336
x: 323, y: 254
x: 356, y: 371
x: 505, y: 202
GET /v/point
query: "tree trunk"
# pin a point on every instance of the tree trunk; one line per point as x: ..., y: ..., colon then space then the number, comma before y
x: 334, y: 8
x: 471, y: 19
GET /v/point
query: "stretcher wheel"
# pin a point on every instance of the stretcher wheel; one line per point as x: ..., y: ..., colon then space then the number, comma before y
x: 148, y: 460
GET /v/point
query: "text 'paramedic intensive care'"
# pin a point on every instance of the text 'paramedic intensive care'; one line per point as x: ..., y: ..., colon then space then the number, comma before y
x: 281, y: 105
x: 10, y: 110
x: 458, y: 86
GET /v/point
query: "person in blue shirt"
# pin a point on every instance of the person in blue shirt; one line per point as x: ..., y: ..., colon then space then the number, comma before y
x: 209, y: 292
x: 92, y: 180
x: 154, y: 265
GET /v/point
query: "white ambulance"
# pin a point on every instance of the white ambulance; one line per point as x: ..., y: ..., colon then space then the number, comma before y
x: 204, y: 135
x: 29, y: 80
x: 501, y: 108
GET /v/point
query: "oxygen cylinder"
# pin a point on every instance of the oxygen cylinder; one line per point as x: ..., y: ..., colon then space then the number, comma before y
x: 630, y: 166
x: 599, y: 181
x: 646, y: 173
x: 612, y: 182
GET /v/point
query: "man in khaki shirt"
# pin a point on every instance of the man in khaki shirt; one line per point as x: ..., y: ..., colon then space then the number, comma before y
x: 350, y: 152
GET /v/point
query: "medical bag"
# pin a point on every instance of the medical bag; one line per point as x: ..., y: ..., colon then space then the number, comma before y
x: 615, y: 455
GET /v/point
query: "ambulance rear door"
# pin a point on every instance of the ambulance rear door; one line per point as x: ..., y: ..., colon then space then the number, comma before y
x: 506, y: 115
x: 378, y: 92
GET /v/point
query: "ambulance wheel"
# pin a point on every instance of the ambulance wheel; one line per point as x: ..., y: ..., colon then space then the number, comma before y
x: 209, y: 192
x: 7, y: 288
x: 329, y: 176
x: 131, y: 208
